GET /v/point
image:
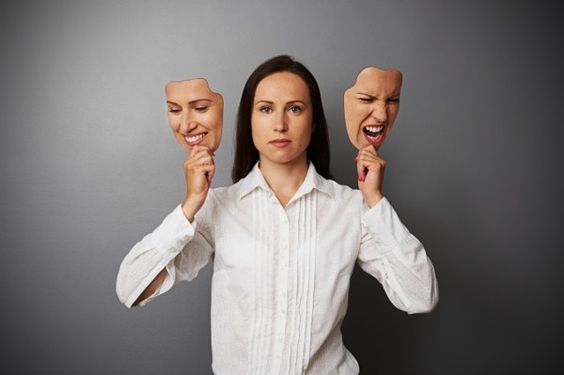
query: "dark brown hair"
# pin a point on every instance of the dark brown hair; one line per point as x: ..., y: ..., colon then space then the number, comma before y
x: 246, y: 154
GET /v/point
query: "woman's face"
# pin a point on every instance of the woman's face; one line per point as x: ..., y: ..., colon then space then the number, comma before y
x: 371, y: 106
x: 195, y: 113
x: 281, y: 118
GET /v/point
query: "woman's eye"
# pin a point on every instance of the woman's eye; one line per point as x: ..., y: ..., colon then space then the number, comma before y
x: 174, y: 110
x: 393, y: 100
x: 365, y: 100
x: 295, y: 109
x: 265, y: 109
x: 201, y: 109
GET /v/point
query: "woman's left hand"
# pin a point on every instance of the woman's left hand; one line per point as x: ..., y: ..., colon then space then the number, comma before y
x: 370, y: 168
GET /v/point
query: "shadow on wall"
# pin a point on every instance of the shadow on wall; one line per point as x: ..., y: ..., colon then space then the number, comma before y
x: 487, y: 320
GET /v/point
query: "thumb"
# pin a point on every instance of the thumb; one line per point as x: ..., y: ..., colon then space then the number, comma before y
x: 190, y: 152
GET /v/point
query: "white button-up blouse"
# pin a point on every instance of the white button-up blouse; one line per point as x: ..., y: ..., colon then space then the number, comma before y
x: 281, y: 274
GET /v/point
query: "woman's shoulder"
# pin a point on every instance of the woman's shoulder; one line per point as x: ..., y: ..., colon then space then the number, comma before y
x: 219, y: 200
x: 340, y: 192
x: 224, y: 194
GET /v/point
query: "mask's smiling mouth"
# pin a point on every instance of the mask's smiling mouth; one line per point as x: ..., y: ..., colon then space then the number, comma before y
x: 195, y: 139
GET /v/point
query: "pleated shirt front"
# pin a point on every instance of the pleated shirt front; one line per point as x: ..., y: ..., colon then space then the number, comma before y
x: 281, y: 274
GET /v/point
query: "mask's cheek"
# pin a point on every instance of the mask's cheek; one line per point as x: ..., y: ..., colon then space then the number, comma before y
x: 215, y: 132
x: 361, y: 118
x: 171, y: 123
x: 213, y: 139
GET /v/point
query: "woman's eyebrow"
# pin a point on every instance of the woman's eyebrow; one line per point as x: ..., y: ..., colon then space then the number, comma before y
x: 289, y: 101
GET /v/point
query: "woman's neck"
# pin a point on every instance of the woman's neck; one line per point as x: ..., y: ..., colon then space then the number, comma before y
x: 284, y: 179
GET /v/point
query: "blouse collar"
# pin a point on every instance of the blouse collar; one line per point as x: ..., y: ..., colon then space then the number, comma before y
x: 313, y: 180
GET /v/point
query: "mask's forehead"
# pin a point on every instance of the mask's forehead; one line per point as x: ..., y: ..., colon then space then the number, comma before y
x: 190, y: 90
x: 376, y: 81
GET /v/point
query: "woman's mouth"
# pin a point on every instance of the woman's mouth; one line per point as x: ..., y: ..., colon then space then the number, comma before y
x: 195, y: 139
x: 374, y: 134
x: 280, y: 142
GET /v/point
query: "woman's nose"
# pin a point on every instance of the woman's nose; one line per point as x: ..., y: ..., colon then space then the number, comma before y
x: 281, y: 122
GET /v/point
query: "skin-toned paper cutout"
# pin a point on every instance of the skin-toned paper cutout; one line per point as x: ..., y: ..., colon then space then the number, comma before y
x: 372, y: 105
x: 195, y: 113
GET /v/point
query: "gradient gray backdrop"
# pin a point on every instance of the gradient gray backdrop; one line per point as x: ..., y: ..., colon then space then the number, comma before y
x: 89, y: 167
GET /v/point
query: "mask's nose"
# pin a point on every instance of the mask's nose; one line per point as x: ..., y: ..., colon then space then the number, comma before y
x: 379, y: 112
x: 187, y: 123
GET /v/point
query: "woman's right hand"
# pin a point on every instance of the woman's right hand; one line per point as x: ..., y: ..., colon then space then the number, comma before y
x: 199, y: 169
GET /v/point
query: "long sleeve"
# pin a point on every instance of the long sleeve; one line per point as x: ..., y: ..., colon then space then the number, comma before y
x: 183, y: 248
x: 397, y: 259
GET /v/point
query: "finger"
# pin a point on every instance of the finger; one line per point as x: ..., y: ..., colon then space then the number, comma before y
x: 360, y: 169
x: 201, y: 148
x: 202, y: 159
x: 366, y: 157
x: 204, y: 169
x: 373, y: 164
x: 197, y: 150
x: 369, y: 156
x: 371, y: 150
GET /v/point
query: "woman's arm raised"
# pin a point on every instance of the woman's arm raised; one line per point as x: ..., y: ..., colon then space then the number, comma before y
x: 397, y: 259
x: 175, y: 250
x: 388, y: 251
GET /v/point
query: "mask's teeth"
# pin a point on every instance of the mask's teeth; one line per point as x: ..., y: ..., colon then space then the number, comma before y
x: 373, y: 130
x: 195, y: 138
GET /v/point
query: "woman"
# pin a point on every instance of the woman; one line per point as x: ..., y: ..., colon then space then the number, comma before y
x: 283, y: 238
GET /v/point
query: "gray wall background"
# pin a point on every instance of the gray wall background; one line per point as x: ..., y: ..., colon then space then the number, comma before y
x: 89, y: 166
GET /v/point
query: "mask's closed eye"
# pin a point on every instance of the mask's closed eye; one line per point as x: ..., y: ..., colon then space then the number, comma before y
x: 365, y: 99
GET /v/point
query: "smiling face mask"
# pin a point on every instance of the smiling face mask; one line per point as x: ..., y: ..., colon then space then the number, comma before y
x: 195, y: 113
x: 371, y: 106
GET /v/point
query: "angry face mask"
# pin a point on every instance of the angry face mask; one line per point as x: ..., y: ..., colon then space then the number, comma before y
x: 371, y: 106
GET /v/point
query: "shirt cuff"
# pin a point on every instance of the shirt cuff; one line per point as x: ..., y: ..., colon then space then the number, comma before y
x: 384, y: 224
x: 175, y: 231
